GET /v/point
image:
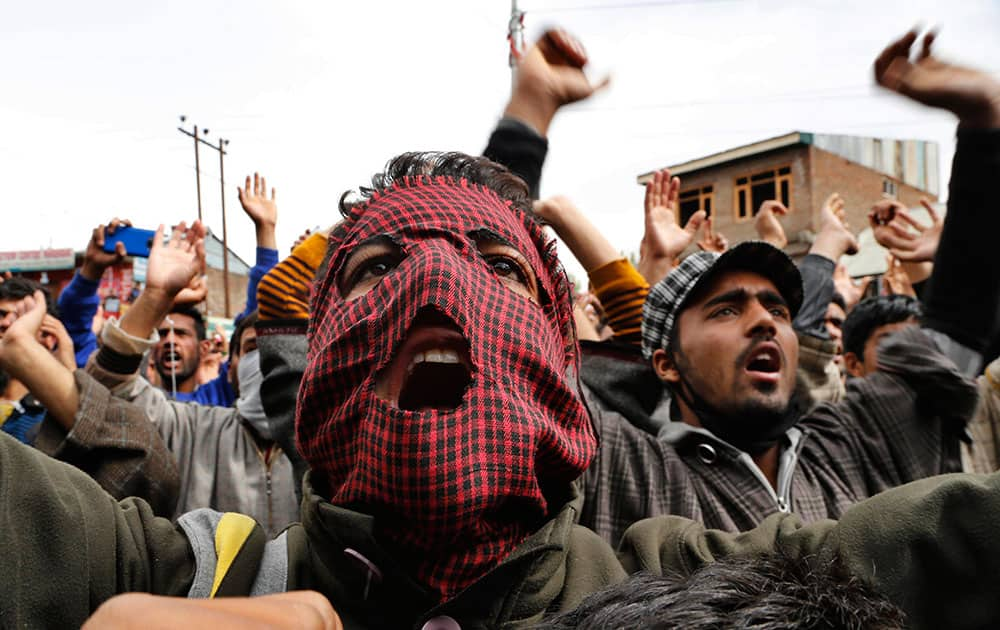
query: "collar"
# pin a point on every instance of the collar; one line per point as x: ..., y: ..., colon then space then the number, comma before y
x: 365, y: 581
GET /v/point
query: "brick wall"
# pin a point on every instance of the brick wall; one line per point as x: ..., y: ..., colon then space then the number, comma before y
x: 815, y: 175
x: 859, y: 186
x: 723, y: 181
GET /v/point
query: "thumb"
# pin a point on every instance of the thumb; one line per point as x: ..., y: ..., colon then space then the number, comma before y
x: 695, y: 222
x: 31, y: 311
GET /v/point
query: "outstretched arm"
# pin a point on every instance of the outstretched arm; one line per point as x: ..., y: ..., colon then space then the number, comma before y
x: 965, y: 272
x: 263, y: 211
x: 549, y: 76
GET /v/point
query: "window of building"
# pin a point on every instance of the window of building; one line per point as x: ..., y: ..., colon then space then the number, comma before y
x: 694, y: 200
x: 889, y: 187
x: 753, y: 190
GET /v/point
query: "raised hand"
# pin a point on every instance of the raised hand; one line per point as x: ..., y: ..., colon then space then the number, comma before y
x: 194, y: 293
x: 549, y: 76
x: 172, y: 266
x: 713, y: 241
x: 768, y: 226
x: 21, y: 326
x: 663, y: 237
x: 56, y: 339
x: 834, y: 238
x: 906, y: 238
x: 95, y: 259
x: 972, y: 95
x: 259, y: 207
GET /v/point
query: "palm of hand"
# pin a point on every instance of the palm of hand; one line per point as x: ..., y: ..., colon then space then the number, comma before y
x: 260, y: 208
x: 664, y: 237
x: 171, y: 268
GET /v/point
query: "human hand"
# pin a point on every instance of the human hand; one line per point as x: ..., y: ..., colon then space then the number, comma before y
x: 663, y: 237
x: 834, y: 238
x: 141, y: 611
x: 713, y: 241
x: 21, y: 326
x: 95, y: 259
x: 970, y: 94
x: 172, y: 266
x: 194, y: 293
x: 54, y: 336
x: 550, y: 75
x: 768, y: 226
x: 261, y: 209
x: 301, y: 239
x: 844, y: 284
x: 906, y: 239
x: 555, y: 211
x: 897, y: 279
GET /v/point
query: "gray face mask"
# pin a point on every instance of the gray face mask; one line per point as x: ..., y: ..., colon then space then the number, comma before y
x: 249, y: 404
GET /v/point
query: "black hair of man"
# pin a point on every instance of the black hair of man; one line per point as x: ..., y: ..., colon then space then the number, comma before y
x: 242, y: 324
x: 873, y: 313
x: 453, y: 164
x: 195, y: 314
x: 458, y: 166
x: 19, y: 288
x: 766, y: 592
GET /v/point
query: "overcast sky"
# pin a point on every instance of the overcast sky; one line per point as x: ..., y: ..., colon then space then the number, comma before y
x: 318, y: 95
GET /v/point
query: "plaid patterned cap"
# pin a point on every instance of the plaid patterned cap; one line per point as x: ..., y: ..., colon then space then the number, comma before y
x: 667, y: 299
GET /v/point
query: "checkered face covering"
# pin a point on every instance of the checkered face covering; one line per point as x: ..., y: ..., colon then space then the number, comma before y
x: 453, y: 491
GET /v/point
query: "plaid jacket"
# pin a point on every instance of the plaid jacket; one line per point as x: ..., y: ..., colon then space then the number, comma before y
x: 900, y: 424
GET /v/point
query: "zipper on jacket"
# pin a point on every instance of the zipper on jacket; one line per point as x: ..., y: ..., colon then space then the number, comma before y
x: 789, y: 460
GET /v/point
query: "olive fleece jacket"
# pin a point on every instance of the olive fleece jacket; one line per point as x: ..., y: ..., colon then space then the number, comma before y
x: 68, y: 546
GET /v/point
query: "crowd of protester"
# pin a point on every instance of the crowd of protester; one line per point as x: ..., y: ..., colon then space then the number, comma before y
x: 419, y: 422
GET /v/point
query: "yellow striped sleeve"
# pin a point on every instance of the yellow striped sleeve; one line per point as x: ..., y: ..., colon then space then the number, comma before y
x: 622, y: 291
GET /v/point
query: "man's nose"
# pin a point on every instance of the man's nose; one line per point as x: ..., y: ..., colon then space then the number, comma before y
x: 762, y: 320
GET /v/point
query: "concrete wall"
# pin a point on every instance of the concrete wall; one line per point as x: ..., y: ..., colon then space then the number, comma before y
x: 216, y: 297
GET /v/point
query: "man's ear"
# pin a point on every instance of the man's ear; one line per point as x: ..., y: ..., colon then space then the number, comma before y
x: 664, y: 366
x: 853, y: 365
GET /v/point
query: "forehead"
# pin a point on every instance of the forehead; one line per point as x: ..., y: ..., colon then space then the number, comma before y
x: 179, y: 320
x: 733, y: 280
x: 422, y: 210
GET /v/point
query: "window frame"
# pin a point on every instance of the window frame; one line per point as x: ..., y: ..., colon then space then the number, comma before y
x: 755, y: 177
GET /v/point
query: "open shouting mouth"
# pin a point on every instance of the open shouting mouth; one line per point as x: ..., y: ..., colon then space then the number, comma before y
x: 432, y: 367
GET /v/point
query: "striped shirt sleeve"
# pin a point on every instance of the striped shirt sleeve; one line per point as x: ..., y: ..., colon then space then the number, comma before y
x: 622, y: 291
x: 284, y: 292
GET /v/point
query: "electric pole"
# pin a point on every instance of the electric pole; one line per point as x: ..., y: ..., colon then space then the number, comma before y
x: 221, y: 148
x: 515, y: 36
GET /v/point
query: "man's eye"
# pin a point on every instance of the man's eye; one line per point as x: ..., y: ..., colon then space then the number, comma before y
x: 507, y: 267
x: 779, y: 313
x: 725, y: 311
x: 375, y: 267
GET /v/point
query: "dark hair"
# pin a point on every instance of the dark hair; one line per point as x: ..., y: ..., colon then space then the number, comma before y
x: 474, y: 169
x: 765, y: 592
x: 195, y: 314
x: 873, y: 313
x: 839, y: 300
x: 19, y: 288
x: 453, y: 164
x: 242, y: 324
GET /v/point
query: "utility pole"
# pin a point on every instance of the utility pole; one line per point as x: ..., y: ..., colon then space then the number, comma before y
x: 197, y: 164
x: 225, y: 235
x: 221, y: 148
x: 515, y: 37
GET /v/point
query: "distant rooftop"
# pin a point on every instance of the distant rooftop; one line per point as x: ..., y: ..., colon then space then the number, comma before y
x: 914, y: 162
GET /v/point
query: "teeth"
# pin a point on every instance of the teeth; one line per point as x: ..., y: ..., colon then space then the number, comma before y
x: 438, y: 355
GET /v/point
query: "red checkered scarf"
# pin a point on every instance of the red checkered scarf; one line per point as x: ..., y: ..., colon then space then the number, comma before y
x: 454, y: 492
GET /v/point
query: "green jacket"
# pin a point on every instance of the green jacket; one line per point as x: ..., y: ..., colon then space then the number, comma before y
x: 67, y: 546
